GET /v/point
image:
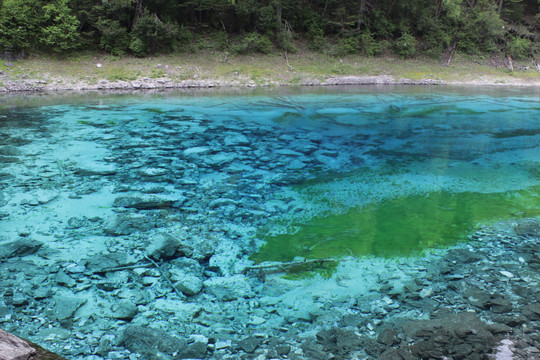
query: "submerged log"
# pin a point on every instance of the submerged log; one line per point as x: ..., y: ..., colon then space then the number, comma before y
x: 286, y: 265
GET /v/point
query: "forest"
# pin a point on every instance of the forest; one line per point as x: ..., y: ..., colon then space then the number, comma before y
x: 405, y: 28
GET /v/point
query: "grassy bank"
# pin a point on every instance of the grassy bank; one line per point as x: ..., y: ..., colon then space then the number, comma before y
x: 300, y: 68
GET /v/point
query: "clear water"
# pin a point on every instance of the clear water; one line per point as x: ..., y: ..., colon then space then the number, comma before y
x: 385, y: 172
x: 242, y: 177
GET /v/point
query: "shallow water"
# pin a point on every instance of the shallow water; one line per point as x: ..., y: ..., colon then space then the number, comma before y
x: 359, y: 172
x: 255, y: 176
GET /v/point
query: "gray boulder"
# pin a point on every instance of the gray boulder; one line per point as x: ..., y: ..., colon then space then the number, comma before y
x: 187, y: 275
x: 124, y: 310
x: 165, y: 247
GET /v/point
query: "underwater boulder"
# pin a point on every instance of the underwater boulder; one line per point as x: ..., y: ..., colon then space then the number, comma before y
x: 227, y: 288
x: 19, y: 248
x: 165, y: 247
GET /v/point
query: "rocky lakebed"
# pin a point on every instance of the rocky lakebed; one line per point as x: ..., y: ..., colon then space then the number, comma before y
x: 128, y: 227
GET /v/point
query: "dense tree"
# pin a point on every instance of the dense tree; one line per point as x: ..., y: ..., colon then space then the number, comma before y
x: 372, y: 27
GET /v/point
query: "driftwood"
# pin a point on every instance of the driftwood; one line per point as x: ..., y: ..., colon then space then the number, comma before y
x: 288, y: 65
x: 150, y: 263
x: 450, y: 54
x: 535, y: 63
x: 286, y: 265
x: 510, y: 62
x: 166, y: 277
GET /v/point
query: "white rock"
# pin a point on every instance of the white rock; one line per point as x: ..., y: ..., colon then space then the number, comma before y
x: 426, y: 292
x: 507, y: 273
x: 256, y: 320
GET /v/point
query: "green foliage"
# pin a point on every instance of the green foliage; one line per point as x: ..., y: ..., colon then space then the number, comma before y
x: 151, y: 35
x: 519, y: 48
x: 285, y: 42
x: 60, y: 31
x: 482, y: 29
x: 263, y: 26
x: 114, y: 37
x: 348, y: 45
x: 405, y: 46
x: 254, y: 43
x: 20, y: 21
x: 370, y: 46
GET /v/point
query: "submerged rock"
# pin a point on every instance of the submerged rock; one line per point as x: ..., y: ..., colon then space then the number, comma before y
x: 143, y: 203
x: 127, y: 224
x: 464, y: 335
x: 66, y: 306
x: 165, y: 247
x: 228, y: 288
x: 124, y: 310
x: 19, y: 248
x: 157, y: 344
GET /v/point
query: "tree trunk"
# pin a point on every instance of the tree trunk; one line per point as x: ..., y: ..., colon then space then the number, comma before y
x: 439, y: 7
x: 510, y: 62
x: 324, y: 10
x: 361, y: 10
x: 450, y: 54
x: 500, y: 6
x: 139, y: 8
x: 279, y: 12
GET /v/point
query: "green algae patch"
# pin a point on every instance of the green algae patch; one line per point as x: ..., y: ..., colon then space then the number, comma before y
x: 398, y: 227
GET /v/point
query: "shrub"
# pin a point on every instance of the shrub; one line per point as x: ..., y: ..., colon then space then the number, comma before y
x: 519, y: 48
x: 370, y: 46
x: 114, y: 37
x: 285, y: 41
x: 405, y: 46
x: 61, y: 28
x: 19, y: 25
x: 348, y: 45
x: 254, y: 43
x: 151, y: 35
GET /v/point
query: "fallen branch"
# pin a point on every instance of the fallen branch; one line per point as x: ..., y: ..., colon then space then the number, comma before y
x: 165, y: 277
x: 510, y: 62
x: 286, y: 265
x: 288, y: 65
x: 535, y: 63
x: 450, y: 54
x: 123, y: 267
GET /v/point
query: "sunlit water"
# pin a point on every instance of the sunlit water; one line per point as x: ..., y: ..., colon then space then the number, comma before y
x: 385, y: 173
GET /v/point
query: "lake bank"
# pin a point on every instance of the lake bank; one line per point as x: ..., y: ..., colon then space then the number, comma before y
x: 218, y: 70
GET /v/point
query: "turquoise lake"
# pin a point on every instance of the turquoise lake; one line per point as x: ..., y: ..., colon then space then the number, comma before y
x: 379, y: 171
x: 148, y: 209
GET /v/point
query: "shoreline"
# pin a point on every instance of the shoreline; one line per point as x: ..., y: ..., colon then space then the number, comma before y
x: 41, y: 86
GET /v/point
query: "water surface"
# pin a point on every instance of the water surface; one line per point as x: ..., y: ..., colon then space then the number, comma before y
x: 329, y: 173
